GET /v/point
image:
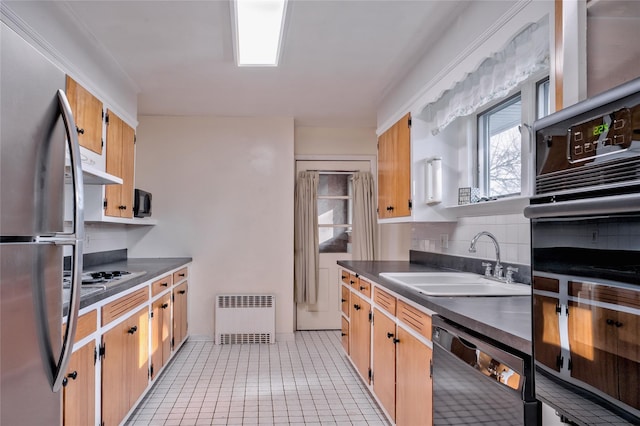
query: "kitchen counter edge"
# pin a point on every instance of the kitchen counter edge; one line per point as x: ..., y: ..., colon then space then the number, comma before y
x: 506, y: 320
x: 153, y: 268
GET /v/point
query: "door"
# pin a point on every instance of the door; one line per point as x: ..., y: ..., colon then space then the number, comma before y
x: 79, y: 392
x: 384, y: 361
x: 334, y: 221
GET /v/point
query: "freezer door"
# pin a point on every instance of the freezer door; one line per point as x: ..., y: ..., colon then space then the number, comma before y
x: 30, y: 333
x: 32, y: 140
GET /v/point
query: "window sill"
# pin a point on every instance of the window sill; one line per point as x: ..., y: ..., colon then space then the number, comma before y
x: 510, y: 205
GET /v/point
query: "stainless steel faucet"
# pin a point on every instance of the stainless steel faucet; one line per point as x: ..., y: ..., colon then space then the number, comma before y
x: 497, y: 272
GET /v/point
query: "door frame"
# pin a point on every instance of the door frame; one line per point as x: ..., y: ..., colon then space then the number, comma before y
x: 372, y: 159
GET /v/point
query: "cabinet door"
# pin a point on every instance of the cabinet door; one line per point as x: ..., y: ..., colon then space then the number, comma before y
x: 546, y: 331
x: 115, y: 400
x: 344, y: 301
x: 384, y: 361
x: 180, y: 326
x: 592, y: 341
x: 79, y: 393
x: 394, y: 170
x: 414, y: 397
x: 87, y: 113
x: 160, y: 333
x: 120, y: 162
x: 345, y: 335
x: 627, y: 327
x: 385, y: 173
x: 137, y: 368
x: 402, y: 168
x: 125, y: 366
x: 360, y: 344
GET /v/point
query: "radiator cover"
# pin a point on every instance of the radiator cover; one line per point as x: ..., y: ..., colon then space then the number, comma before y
x: 245, y: 318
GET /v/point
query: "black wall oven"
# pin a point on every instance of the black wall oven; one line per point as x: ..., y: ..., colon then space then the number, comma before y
x: 585, y: 234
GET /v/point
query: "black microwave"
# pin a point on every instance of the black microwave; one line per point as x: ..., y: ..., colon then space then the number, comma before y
x: 141, y: 203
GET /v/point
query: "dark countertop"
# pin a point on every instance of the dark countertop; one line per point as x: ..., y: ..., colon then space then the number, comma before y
x: 506, y: 320
x: 153, y: 267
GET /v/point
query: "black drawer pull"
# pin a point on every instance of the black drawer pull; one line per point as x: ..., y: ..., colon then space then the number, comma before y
x: 181, y: 275
x: 79, y: 130
x: 362, y: 288
x: 164, y: 284
x: 133, y: 329
x: 389, y: 335
x: 344, y: 334
x: 395, y: 341
x: 164, y: 305
x: 343, y: 300
x: 182, y: 291
x: 357, y: 307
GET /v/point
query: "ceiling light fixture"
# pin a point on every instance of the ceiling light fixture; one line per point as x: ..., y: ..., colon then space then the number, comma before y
x: 259, y: 25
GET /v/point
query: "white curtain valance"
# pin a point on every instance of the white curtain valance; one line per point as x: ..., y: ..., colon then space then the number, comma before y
x: 526, y: 54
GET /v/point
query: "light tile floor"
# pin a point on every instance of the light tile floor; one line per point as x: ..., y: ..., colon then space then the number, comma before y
x: 306, y: 382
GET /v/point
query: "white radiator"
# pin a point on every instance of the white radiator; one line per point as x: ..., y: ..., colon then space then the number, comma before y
x: 245, y: 318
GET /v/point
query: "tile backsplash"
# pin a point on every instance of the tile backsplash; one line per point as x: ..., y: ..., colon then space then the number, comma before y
x: 512, y: 232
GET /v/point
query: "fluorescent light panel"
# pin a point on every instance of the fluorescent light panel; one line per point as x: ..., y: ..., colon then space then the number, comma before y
x: 259, y: 27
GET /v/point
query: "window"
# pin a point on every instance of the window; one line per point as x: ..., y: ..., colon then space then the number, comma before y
x: 543, y: 99
x: 335, y: 210
x: 499, y: 149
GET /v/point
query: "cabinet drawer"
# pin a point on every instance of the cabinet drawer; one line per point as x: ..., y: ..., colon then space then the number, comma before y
x: 364, y: 287
x: 385, y: 300
x: 122, y: 306
x: 87, y: 324
x: 180, y: 275
x: 415, y: 319
x: 162, y: 284
x: 345, y: 276
x: 344, y: 301
x: 353, y: 280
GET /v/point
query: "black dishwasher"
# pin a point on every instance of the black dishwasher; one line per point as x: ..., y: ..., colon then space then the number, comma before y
x: 475, y: 382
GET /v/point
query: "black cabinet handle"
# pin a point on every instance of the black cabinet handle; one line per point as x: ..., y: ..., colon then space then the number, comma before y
x: 164, y: 305
x: 356, y: 307
x: 73, y: 375
x: 181, y: 275
x: 79, y: 130
x: 164, y: 284
x: 610, y: 321
x: 182, y: 291
x: 343, y: 300
x: 344, y: 334
x: 133, y: 329
x: 352, y: 282
x: 396, y: 341
x: 618, y: 324
x: 389, y: 335
x: 362, y: 288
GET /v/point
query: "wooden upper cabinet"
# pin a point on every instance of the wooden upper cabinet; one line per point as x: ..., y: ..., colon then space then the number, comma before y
x: 87, y: 112
x: 394, y: 170
x: 120, y: 162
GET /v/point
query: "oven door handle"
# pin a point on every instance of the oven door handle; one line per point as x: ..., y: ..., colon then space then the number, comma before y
x: 627, y: 203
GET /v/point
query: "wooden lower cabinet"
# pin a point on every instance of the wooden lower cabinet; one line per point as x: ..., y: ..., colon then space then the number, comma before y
x: 79, y: 393
x: 414, y: 389
x: 125, y: 366
x: 180, y: 324
x: 160, y: 333
x: 384, y: 361
x: 360, y: 343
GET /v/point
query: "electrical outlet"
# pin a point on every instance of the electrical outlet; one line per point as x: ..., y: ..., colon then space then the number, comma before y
x: 444, y: 241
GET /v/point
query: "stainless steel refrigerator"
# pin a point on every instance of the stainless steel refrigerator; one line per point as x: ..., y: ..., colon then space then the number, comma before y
x: 36, y: 130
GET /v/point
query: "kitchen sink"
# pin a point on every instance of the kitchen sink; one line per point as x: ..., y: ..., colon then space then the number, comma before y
x: 456, y: 284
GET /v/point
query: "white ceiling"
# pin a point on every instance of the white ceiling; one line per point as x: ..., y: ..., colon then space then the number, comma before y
x: 338, y: 59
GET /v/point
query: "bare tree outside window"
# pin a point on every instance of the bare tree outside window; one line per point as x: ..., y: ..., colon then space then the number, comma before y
x: 499, y: 149
x: 504, y: 163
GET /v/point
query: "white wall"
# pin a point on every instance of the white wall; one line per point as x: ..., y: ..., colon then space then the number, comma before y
x: 394, y: 240
x: 223, y: 194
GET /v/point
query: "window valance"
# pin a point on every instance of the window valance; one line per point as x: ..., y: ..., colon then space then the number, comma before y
x: 525, y: 55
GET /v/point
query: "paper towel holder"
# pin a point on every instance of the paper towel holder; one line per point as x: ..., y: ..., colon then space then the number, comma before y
x: 433, y: 180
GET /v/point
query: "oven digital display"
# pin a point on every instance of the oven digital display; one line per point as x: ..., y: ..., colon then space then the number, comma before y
x: 601, y: 136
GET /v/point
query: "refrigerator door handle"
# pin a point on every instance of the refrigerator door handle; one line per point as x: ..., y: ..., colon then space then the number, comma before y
x: 76, y: 239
